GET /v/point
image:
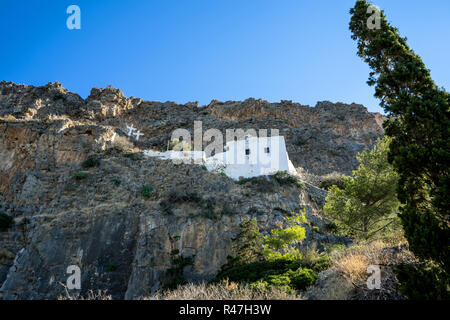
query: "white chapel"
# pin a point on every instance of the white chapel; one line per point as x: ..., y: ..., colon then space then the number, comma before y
x: 248, y: 157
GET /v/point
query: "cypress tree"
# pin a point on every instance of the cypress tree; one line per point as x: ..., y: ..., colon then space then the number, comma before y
x: 419, y: 124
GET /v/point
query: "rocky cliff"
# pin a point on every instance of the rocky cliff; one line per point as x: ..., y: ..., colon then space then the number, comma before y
x: 123, y: 217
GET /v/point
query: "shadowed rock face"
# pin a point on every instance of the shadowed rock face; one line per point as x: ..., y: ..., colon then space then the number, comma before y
x: 96, y: 222
x: 120, y: 237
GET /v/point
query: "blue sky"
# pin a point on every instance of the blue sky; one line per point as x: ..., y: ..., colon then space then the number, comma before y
x: 199, y: 50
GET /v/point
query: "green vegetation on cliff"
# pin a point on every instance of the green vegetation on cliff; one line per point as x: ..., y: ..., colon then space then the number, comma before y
x: 274, y: 260
x: 367, y: 204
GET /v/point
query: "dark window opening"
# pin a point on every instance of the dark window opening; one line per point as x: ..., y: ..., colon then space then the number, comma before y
x: 247, y: 152
x: 267, y: 150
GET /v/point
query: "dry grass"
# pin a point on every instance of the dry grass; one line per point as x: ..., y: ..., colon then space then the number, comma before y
x: 347, y: 277
x: 92, y: 295
x: 222, y: 291
x: 202, y: 291
x: 354, y: 261
x: 9, y: 117
x: 330, y: 286
x: 353, y: 266
x: 310, y: 254
x: 308, y: 177
x: 330, y: 179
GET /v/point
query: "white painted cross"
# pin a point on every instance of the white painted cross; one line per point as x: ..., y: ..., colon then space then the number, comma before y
x: 133, y: 131
x: 138, y: 134
x: 130, y: 130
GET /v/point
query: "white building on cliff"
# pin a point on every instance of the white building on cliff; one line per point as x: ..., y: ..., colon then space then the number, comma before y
x: 249, y: 157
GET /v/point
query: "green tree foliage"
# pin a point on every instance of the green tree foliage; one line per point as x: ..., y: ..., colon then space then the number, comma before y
x: 367, y: 204
x: 146, y: 191
x: 272, y: 260
x: 419, y: 123
x: 246, y: 244
x: 281, y: 243
x: 90, y: 162
x: 423, y: 282
x: 176, y: 272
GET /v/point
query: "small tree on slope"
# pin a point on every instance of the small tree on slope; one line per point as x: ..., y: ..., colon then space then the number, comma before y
x: 367, y: 204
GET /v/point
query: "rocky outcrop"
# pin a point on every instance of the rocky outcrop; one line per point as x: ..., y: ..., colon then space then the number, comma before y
x: 111, y: 220
x: 104, y: 220
x: 320, y: 139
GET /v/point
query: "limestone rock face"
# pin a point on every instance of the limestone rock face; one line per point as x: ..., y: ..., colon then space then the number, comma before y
x: 96, y: 223
x: 110, y: 219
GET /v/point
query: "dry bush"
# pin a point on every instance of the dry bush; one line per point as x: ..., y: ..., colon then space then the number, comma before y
x: 222, y: 291
x: 330, y: 286
x: 9, y: 117
x: 92, y: 295
x: 310, y: 254
x: 331, y: 179
x: 347, y: 277
x: 202, y: 291
x: 354, y: 261
x: 353, y: 266
x: 308, y: 177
